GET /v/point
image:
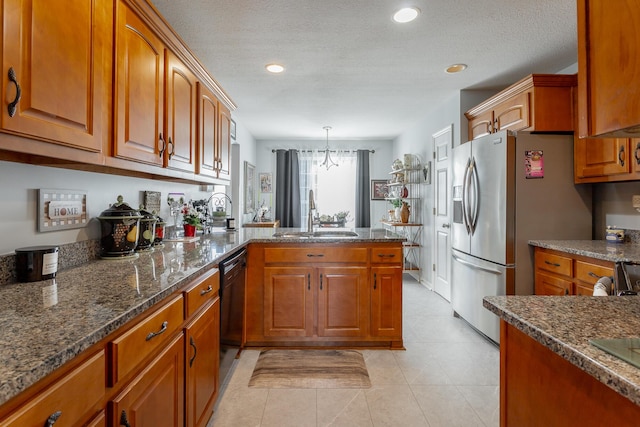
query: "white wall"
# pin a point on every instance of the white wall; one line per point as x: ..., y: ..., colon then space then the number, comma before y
x: 379, y: 167
x: 20, y: 182
x: 243, y: 149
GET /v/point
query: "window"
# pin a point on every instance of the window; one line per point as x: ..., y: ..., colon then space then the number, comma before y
x: 334, y: 189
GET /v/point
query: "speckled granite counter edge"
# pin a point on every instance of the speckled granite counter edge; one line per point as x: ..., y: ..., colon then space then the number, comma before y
x: 598, y: 249
x: 566, y: 351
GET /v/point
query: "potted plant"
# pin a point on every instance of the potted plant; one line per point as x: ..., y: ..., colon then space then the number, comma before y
x: 190, y: 220
x: 397, y: 204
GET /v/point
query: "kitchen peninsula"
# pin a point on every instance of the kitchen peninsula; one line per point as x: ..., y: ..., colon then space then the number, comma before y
x: 48, y: 326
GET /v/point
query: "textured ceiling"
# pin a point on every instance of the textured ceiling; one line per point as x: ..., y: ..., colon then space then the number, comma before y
x: 349, y: 66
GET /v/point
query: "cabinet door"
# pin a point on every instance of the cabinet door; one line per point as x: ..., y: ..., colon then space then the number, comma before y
x: 481, y: 125
x: 513, y: 114
x: 139, y: 90
x: 224, y: 146
x: 343, y: 301
x: 550, y: 285
x: 60, y: 53
x: 608, y: 67
x: 208, y: 132
x: 67, y: 400
x: 635, y: 155
x: 181, y: 115
x: 601, y: 157
x: 156, y: 396
x: 386, y: 302
x: 288, y: 301
x: 202, y: 365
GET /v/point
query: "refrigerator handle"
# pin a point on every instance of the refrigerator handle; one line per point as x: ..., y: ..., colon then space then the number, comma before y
x: 465, y: 195
x: 476, y: 196
x: 477, y: 267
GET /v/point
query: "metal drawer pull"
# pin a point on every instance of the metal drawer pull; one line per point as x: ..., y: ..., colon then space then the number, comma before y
x: 386, y: 255
x: 320, y: 281
x: 123, y: 419
x: 594, y: 275
x: 53, y: 418
x: 164, y: 145
x: 308, y: 281
x: 195, y: 351
x: 621, y: 155
x: 637, y: 153
x: 375, y: 281
x: 206, y: 291
x: 315, y: 255
x: 13, y: 104
x: 162, y: 329
x: 173, y: 151
x: 552, y: 263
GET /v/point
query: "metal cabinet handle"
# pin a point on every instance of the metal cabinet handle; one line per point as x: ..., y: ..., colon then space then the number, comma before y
x: 386, y: 255
x: 173, y: 148
x: 192, y: 343
x: 375, y: 281
x: 320, y: 281
x: 206, y: 291
x: 164, y: 145
x: 52, y: 419
x: 621, y: 155
x: 123, y: 419
x: 315, y: 255
x: 155, y: 334
x: 12, y: 107
x: 637, y: 153
x: 308, y: 281
x: 566, y: 291
x: 551, y: 263
x: 446, y: 226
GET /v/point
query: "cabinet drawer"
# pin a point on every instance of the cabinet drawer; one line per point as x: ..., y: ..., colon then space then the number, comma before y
x: 310, y: 254
x: 386, y: 256
x: 72, y: 396
x: 201, y: 290
x: 141, y: 340
x: 554, y: 263
x: 551, y: 285
x: 590, y: 273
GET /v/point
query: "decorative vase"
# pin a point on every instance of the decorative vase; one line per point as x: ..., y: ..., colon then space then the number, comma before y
x: 398, y: 213
x: 189, y: 230
x: 404, y: 212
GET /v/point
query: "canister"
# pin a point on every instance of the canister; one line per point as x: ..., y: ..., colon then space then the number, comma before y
x: 36, y: 263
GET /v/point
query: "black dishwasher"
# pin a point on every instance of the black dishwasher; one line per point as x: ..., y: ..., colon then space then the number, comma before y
x: 232, y: 273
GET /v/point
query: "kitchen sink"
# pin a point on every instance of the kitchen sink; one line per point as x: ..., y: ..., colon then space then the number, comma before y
x: 316, y: 234
x: 627, y: 349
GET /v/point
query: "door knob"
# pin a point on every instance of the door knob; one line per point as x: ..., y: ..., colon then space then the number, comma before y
x: 445, y: 225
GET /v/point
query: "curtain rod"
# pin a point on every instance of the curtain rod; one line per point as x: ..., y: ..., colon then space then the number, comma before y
x: 322, y: 151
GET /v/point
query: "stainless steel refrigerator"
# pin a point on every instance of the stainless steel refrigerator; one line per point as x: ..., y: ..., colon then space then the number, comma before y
x: 508, y: 189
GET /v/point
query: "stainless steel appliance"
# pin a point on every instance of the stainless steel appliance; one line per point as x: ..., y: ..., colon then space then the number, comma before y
x: 232, y: 292
x: 503, y: 196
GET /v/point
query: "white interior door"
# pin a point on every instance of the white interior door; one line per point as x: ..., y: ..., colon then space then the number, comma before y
x: 442, y: 145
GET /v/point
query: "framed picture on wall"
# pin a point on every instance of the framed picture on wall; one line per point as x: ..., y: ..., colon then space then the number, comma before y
x: 379, y: 189
x: 265, y: 182
x: 249, y: 186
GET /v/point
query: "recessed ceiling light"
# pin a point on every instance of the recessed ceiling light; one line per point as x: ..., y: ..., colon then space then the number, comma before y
x: 456, y: 68
x: 274, y: 68
x: 406, y: 14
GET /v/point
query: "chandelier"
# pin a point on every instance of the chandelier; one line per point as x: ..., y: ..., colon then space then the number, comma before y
x: 327, y: 154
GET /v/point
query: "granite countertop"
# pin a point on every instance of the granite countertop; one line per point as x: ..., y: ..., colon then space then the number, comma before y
x: 45, y: 324
x: 566, y: 324
x: 599, y: 249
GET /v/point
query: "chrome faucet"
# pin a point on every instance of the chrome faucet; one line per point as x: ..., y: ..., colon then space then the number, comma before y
x: 312, y: 207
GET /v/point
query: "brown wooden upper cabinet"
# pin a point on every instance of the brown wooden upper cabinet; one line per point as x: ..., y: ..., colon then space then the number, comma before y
x: 537, y: 103
x: 608, y: 68
x: 155, y: 114
x: 56, y: 67
x: 214, y: 140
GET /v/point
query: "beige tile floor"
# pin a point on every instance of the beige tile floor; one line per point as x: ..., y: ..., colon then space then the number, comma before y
x: 448, y: 376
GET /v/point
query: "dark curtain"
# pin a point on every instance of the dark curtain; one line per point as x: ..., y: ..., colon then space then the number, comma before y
x: 363, y: 202
x: 288, y: 188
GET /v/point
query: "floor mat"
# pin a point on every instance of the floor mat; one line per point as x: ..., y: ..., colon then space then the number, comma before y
x: 310, y: 369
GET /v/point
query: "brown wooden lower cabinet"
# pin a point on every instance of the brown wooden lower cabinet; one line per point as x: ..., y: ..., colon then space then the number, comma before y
x: 131, y: 379
x: 324, y: 294
x: 540, y: 388
x: 156, y: 396
x: 562, y: 273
